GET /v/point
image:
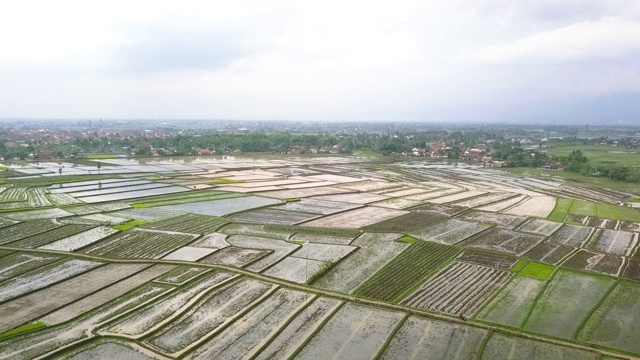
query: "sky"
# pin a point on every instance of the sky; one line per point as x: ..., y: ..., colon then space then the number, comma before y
x: 457, y: 60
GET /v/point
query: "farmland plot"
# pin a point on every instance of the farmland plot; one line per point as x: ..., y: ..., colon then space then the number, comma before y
x: 139, y: 244
x: 504, y: 204
x: 126, y: 195
x: 16, y: 264
x: 255, y: 230
x: 189, y: 253
x: 32, y: 345
x: 457, y: 197
x: 43, y: 277
x: 235, y: 256
x: 355, y: 198
x: 32, y: 306
x: 375, y: 250
x: 369, y: 185
x: 613, y: 241
x: 540, y: 206
x: 487, y: 258
x: 602, y: 223
x: 616, y: 322
x: 188, y: 223
x: 507, y: 241
x: 317, y: 206
x: 357, y: 218
x: 278, y: 249
x: 408, y: 221
x: 146, y: 214
x: 397, y: 203
x: 272, y: 216
x: 504, y: 347
x: 602, y: 263
x: 62, y: 199
x: 405, y: 270
x: 511, y: 306
x: 306, y: 192
x: 104, y: 219
x: 207, y: 315
x: 420, y: 338
x: 438, y: 193
x: 37, y: 197
x: 448, y: 232
x: 38, y: 214
x: 120, y: 189
x: 299, y: 329
x: 110, y: 349
x: 224, y: 206
x: 50, y: 236
x: 322, y: 252
x: 405, y: 191
x: 182, y: 274
x: 13, y: 205
x: 4, y: 222
x: 503, y: 220
x: 212, y: 241
x: 145, y: 319
x: 630, y: 226
x: 322, y: 239
x: 577, y: 219
x: 83, y: 210
x: 484, y: 199
x: 460, y: 288
x: 246, y: 335
x: 77, y: 241
x: 294, y: 269
x: 354, y: 332
x: 548, y: 252
x: 632, y: 271
x: 13, y: 194
x: 540, y: 227
x: 127, y: 291
x: 449, y: 210
x: 572, y: 235
x: 94, y: 185
x: 556, y: 314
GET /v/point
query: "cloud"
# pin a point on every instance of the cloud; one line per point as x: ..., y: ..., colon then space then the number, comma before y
x: 161, y: 49
x: 609, y: 38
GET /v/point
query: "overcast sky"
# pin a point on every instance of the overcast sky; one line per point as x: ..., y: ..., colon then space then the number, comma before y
x: 456, y: 60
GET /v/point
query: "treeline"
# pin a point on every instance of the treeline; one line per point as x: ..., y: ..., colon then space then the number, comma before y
x: 576, y: 162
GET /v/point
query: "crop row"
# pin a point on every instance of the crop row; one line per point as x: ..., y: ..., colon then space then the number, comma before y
x: 37, y: 197
x: 407, y: 221
x: 461, y: 288
x: 26, y: 229
x: 51, y: 236
x: 194, y: 196
x: 139, y: 244
x: 13, y: 194
x: 406, y: 269
x: 189, y: 223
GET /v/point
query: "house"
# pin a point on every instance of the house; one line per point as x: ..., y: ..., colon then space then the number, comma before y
x: 204, y: 152
x: 44, y: 155
x: 296, y: 149
x: 552, y: 166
